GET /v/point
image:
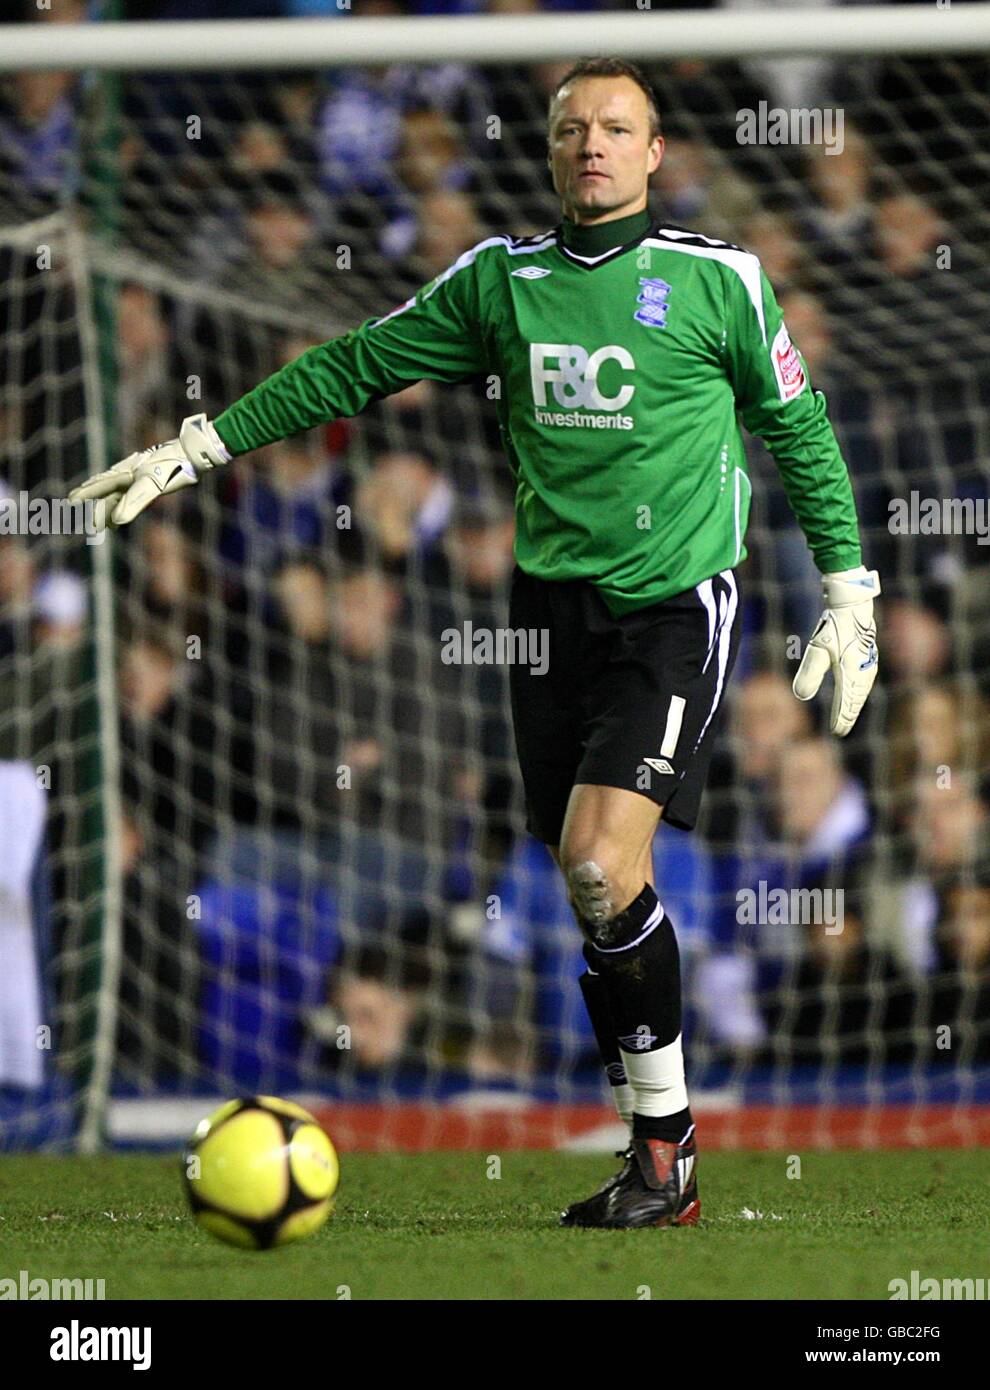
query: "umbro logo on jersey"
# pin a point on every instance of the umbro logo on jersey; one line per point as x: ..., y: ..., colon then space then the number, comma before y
x: 659, y: 765
x: 532, y: 272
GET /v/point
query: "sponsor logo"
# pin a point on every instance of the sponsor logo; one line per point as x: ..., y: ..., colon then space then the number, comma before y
x: 640, y: 1041
x: 653, y: 300
x: 531, y: 272
x: 786, y: 366
x: 659, y: 765
x: 571, y: 373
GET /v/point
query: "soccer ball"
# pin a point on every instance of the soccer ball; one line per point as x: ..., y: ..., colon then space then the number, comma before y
x: 260, y: 1172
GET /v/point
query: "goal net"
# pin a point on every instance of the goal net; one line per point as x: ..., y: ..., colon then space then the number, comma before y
x: 280, y: 846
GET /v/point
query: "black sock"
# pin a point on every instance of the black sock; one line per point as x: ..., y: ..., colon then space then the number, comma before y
x: 642, y: 976
x: 670, y: 1128
x: 642, y: 985
x: 596, y: 1002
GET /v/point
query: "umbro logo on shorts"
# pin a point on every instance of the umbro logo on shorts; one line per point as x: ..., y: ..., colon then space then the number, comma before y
x: 659, y: 765
x: 532, y: 272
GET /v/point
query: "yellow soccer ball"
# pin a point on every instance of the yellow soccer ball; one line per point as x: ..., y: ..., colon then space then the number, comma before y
x: 260, y: 1172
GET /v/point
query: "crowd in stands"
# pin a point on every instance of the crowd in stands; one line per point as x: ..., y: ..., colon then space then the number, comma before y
x: 322, y: 825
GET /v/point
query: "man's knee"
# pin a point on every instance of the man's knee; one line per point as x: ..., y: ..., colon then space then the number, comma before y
x: 599, y: 884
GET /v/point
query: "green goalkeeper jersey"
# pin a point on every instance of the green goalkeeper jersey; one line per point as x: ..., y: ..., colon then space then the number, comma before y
x: 619, y: 380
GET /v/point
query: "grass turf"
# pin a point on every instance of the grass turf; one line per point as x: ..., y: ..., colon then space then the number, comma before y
x: 432, y: 1226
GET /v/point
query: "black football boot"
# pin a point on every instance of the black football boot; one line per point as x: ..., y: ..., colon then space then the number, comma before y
x: 590, y: 1210
x: 657, y: 1186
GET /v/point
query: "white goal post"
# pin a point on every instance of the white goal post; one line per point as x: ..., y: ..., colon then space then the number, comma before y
x: 763, y: 33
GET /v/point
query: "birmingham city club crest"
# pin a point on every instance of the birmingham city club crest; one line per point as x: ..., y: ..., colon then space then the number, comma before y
x: 652, y: 299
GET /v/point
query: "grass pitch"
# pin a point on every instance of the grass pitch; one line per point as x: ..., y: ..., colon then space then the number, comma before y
x: 435, y: 1226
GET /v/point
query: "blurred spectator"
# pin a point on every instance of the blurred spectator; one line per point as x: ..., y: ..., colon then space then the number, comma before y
x: 926, y: 296
x: 766, y: 720
x: 950, y: 825
x: 448, y: 225
x: 919, y: 642
x: 468, y: 583
x: 699, y: 190
x: 814, y: 835
x: 378, y: 997
x: 39, y: 143
x: 370, y: 698
x: 957, y: 1020
x: 289, y: 497
x: 773, y: 237
x: 935, y: 733
x: 843, y: 1001
x: 839, y: 220
x: 403, y: 505
x: 148, y: 379
x: 431, y: 158
x: 18, y: 575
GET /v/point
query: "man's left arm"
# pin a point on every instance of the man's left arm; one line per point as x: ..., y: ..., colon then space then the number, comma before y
x: 776, y: 401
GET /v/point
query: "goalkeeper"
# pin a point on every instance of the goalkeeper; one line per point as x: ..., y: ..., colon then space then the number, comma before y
x: 626, y: 350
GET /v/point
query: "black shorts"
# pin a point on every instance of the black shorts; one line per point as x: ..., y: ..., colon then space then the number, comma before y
x: 631, y: 702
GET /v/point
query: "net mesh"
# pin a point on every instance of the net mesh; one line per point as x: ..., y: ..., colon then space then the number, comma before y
x: 327, y: 884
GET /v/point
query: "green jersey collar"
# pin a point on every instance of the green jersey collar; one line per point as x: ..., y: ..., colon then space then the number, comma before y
x: 602, y: 237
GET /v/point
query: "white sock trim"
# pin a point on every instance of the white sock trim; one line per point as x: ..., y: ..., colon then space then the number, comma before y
x: 657, y: 1078
x: 651, y: 924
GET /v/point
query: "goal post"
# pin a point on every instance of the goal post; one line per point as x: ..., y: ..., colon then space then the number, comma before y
x: 61, y: 891
x: 286, y: 847
x: 208, y: 45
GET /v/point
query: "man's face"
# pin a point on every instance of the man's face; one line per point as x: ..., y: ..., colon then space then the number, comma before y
x: 601, y: 154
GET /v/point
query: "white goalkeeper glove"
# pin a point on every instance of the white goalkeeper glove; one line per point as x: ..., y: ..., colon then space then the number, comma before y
x: 845, y: 640
x: 131, y: 485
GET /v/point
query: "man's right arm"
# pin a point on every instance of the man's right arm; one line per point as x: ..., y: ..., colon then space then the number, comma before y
x: 438, y: 334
